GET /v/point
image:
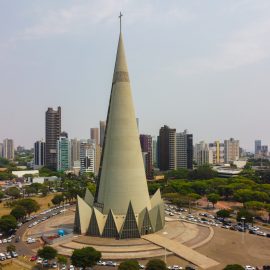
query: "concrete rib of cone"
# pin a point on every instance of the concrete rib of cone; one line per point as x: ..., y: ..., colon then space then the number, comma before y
x: 122, y: 177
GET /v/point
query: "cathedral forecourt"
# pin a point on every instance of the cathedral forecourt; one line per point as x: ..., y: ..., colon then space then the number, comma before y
x: 121, y: 207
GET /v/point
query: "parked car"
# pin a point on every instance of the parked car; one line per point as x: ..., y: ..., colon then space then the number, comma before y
x: 14, y: 254
x: 33, y: 258
x: 2, y: 257
x: 111, y: 263
x: 248, y: 267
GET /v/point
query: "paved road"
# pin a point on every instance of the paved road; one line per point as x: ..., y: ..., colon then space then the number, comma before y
x: 22, y: 247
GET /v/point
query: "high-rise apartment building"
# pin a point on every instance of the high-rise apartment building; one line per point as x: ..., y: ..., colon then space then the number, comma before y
x: 87, y: 156
x: 1, y: 149
x: 52, y: 130
x: 184, y: 150
x: 167, y: 148
x: 231, y: 150
x: 217, y: 149
x: 146, y: 145
x: 264, y: 150
x: 94, y: 135
x: 39, y: 154
x: 258, y: 145
x: 8, y: 149
x: 102, y: 128
x: 75, y: 152
x: 202, y: 154
x: 154, y: 151
x: 63, y: 153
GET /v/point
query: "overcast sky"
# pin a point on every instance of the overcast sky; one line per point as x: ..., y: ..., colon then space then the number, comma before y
x: 197, y: 65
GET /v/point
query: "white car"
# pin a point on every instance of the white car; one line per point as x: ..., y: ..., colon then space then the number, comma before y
x: 39, y: 260
x: 4, y: 241
x: 101, y: 263
x: 71, y: 267
x: 175, y: 267
x: 171, y: 214
x: 30, y: 240
x: 248, y: 267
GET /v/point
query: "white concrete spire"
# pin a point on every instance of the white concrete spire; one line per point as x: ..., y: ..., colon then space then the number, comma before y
x: 122, y: 177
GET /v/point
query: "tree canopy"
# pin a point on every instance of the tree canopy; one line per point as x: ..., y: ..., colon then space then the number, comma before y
x: 85, y: 257
x: 18, y: 212
x: 156, y: 264
x: 234, y: 267
x: 129, y: 265
x: 7, y: 223
x: 48, y: 253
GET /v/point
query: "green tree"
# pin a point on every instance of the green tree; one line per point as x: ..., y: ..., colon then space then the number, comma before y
x: 156, y: 264
x: 11, y: 248
x: 254, y: 205
x: 7, y: 223
x: 92, y: 187
x: 13, y: 192
x: 244, y: 213
x: 129, y: 265
x: 213, y: 198
x: 18, y: 212
x: 29, y: 190
x: 223, y: 213
x: 29, y: 205
x: 48, y: 253
x: 58, y: 199
x: 2, y: 195
x: 203, y: 172
x: 44, y: 190
x: 234, y: 267
x: 85, y: 257
x: 61, y: 259
x: 178, y: 174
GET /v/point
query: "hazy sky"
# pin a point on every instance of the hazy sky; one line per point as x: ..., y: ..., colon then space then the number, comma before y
x: 197, y: 65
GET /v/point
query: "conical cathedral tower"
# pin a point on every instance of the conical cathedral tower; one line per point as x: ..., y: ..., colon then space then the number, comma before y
x: 121, y: 207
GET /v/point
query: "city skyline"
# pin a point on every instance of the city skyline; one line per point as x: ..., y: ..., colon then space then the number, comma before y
x: 215, y: 82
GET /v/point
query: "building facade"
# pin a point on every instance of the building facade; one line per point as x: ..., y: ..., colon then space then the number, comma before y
x: 39, y: 154
x: 167, y: 148
x: 52, y: 134
x: 217, y: 149
x: 75, y: 152
x: 63, y: 153
x: 231, y: 150
x: 258, y: 145
x: 94, y: 135
x: 146, y: 145
x: 8, y: 149
x: 87, y: 156
x: 202, y: 154
x: 184, y: 150
x: 1, y: 149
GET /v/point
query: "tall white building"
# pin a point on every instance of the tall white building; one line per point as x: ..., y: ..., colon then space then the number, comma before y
x: 8, y: 149
x: 184, y: 150
x: 1, y: 150
x: 231, y: 150
x: 202, y: 154
x: 217, y: 149
x: 87, y: 156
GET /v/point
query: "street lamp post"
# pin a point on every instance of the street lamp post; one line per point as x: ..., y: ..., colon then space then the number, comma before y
x: 243, y: 226
x: 165, y: 251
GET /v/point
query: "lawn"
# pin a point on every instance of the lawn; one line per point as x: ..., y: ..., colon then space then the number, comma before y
x: 42, y: 201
